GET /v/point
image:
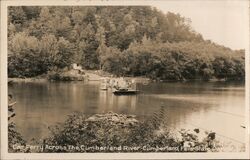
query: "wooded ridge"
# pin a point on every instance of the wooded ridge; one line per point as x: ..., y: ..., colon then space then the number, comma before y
x: 122, y: 40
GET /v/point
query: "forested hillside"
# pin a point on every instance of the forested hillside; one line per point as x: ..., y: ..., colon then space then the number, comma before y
x: 125, y: 41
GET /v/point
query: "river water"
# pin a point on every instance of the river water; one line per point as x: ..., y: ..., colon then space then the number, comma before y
x: 215, y: 106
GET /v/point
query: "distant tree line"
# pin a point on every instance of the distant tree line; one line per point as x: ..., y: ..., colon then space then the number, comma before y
x: 125, y: 41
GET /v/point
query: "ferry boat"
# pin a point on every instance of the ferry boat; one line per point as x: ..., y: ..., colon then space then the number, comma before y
x: 124, y: 87
x: 125, y: 92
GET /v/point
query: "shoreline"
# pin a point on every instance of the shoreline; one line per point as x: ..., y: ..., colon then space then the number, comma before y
x: 97, y: 75
x: 33, y: 79
x: 193, y: 140
x: 95, y: 78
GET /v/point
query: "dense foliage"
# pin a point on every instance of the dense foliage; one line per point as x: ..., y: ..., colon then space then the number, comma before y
x: 113, y: 132
x: 177, y: 61
x: 131, y: 41
x: 14, y: 137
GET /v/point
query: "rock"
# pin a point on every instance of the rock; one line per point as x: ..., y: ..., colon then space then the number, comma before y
x: 115, y: 118
x: 91, y: 119
x: 197, y: 130
x: 188, y: 144
x: 131, y: 116
x: 110, y: 112
x: 131, y: 121
x: 211, y: 135
x: 98, y: 115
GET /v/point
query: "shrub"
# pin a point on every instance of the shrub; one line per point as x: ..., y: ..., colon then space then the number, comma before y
x: 118, y: 130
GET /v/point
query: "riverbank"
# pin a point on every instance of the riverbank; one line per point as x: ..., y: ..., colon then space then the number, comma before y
x: 89, y: 75
x: 33, y: 79
x: 112, y: 132
x: 96, y: 75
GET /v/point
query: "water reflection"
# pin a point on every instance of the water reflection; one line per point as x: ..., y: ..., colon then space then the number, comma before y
x: 214, y: 106
x: 124, y: 104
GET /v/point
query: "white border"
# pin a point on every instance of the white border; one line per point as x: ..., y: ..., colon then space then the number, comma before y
x: 4, y: 112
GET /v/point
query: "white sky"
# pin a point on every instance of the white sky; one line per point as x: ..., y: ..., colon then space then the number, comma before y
x: 222, y: 21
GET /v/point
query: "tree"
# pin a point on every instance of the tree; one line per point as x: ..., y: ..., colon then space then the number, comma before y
x: 21, y: 43
x: 66, y: 53
x: 124, y: 40
x: 31, y: 12
x: 48, y: 45
x: 102, y: 52
x: 90, y: 57
x: 16, y: 15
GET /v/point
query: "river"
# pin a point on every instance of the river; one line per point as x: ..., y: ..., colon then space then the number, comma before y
x: 215, y: 106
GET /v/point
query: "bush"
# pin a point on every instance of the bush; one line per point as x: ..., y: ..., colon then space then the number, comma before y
x: 114, y: 132
x: 14, y: 138
x: 28, y: 65
x: 70, y: 75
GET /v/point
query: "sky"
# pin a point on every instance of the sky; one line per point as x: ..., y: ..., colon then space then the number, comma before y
x: 222, y: 21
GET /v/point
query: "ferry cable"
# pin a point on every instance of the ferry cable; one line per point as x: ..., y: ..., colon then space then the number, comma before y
x: 219, y: 134
x: 232, y: 114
